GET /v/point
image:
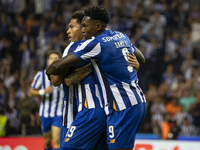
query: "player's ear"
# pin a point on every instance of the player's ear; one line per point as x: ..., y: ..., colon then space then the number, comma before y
x: 99, y: 26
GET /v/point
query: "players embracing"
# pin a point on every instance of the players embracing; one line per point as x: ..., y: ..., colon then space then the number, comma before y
x: 122, y: 99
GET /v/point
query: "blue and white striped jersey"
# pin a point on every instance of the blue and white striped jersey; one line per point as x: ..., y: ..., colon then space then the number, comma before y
x: 51, y: 105
x: 117, y: 80
x: 83, y: 94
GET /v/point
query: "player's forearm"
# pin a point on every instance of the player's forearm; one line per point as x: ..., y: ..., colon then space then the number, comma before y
x: 33, y: 92
x: 56, y: 80
x: 54, y: 68
x: 140, y: 57
x: 62, y: 64
x: 78, y: 75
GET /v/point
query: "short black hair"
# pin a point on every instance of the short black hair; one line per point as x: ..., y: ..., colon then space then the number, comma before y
x: 54, y: 52
x: 78, y: 15
x: 98, y: 13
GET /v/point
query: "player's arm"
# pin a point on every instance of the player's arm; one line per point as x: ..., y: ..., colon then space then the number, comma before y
x: 58, y: 79
x: 62, y: 64
x: 78, y: 75
x: 33, y: 92
x: 140, y: 57
x: 74, y: 77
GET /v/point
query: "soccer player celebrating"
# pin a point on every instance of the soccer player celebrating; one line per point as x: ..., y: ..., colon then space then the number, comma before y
x: 123, y: 100
x: 87, y: 130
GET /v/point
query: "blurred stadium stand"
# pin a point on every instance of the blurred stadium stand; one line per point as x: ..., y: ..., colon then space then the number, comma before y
x: 166, y: 32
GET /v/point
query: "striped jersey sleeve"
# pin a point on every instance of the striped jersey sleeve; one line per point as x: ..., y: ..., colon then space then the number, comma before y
x: 37, y: 81
x: 51, y: 105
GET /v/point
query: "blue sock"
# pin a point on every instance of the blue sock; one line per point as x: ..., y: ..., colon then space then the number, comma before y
x: 48, y: 148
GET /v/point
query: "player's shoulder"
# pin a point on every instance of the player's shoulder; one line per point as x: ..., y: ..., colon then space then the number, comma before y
x: 77, y: 43
x: 39, y: 73
x: 70, y: 47
x: 111, y: 36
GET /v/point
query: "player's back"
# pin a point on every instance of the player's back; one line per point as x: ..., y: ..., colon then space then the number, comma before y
x: 114, y: 49
x: 117, y: 80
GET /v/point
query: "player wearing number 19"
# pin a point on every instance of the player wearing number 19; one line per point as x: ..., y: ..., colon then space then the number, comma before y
x: 124, y: 101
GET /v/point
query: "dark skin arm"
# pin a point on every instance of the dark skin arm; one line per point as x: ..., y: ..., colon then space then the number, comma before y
x: 57, y: 67
x: 64, y: 63
x: 58, y: 71
x: 139, y: 56
x: 70, y: 60
x: 74, y: 77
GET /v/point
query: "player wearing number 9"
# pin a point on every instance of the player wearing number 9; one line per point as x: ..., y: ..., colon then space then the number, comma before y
x: 124, y: 101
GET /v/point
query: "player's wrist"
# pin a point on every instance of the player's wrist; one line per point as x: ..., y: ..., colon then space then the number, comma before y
x: 41, y: 92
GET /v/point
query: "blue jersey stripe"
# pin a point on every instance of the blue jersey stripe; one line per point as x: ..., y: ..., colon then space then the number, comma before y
x: 36, y: 82
x: 44, y: 87
x: 57, y: 100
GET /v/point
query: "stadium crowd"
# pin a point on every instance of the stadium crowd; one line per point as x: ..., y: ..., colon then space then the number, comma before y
x: 165, y: 31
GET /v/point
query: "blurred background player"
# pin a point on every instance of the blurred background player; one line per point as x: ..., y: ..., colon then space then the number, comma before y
x: 51, y: 105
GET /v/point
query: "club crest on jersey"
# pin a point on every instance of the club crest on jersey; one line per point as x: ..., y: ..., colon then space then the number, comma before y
x: 67, y: 139
x: 112, y: 141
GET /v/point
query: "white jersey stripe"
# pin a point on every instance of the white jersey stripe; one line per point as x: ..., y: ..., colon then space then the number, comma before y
x: 59, y: 103
x: 89, y: 96
x: 141, y: 93
x: 70, y: 106
x: 53, y: 103
x: 64, y: 104
x: 98, y: 95
x: 95, y: 51
x: 79, y: 97
x: 130, y: 93
x: 37, y: 81
x: 67, y: 49
x: 118, y: 97
x: 102, y: 85
x: 137, y: 90
x: 79, y: 48
x: 46, y: 108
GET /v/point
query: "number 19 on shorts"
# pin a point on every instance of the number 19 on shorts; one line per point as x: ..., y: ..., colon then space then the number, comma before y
x: 70, y: 132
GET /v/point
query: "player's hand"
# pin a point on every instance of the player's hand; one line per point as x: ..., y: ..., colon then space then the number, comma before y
x: 56, y: 79
x: 133, y: 61
x: 48, y: 90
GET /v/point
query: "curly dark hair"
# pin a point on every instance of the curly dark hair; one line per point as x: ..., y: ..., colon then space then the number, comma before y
x: 78, y: 15
x: 98, y: 13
